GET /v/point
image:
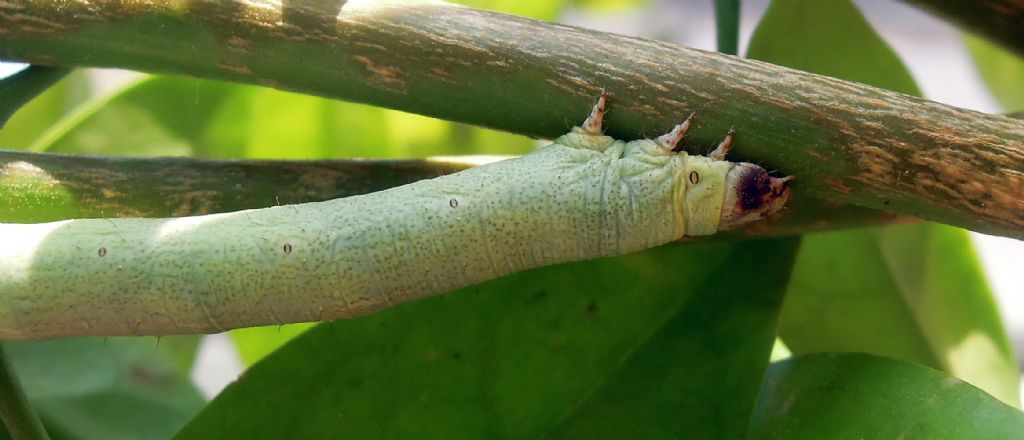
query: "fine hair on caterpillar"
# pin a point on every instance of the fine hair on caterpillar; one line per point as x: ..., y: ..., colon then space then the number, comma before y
x: 584, y: 196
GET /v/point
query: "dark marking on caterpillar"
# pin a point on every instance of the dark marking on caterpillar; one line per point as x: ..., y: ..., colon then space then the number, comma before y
x: 102, y: 252
x: 287, y: 248
x: 453, y: 203
x: 694, y: 177
x: 754, y: 186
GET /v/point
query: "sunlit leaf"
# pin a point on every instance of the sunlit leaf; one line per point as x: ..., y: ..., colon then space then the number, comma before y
x: 910, y: 292
x: 36, y: 117
x: 857, y: 396
x: 1003, y: 72
x: 541, y: 10
x: 830, y: 38
x: 176, y: 116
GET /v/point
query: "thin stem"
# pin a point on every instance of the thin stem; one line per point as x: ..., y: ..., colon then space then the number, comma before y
x: 727, y: 26
x: 37, y: 187
x: 21, y: 421
x: 18, y: 89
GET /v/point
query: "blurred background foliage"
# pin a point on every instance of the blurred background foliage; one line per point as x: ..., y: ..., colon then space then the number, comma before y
x: 670, y: 342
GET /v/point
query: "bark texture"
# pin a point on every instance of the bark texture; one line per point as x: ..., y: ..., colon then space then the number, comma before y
x: 844, y: 141
x: 37, y: 187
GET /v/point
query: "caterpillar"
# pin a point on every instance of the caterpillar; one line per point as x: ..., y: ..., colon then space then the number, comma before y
x: 584, y: 196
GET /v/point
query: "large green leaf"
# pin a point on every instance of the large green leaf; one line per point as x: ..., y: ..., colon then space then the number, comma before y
x: 857, y: 396
x: 670, y: 340
x: 1002, y: 70
x: 831, y: 38
x: 177, y: 116
x: 36, y: 117
x: 116, y: 388
x: 910, y: 292
x: 694, y: 376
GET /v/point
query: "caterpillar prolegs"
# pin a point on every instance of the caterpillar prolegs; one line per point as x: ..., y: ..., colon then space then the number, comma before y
x: 584, y: 196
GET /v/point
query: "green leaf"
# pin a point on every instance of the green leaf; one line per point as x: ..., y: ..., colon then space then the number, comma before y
x: 830, y: 38
x: 695, y: 376
x: 155, y: 117
x: 33, y: 119
x: 95, y: 388
x: 667, y: 340
x: 608, y: 6
x: 857, y: 396
x: 913, y: 292
x: 1002, y: 71
x: 181, y: 350
x: 543, y: 10
x: 255, y: 343
x: 176, y: 116
x: 910, y: 292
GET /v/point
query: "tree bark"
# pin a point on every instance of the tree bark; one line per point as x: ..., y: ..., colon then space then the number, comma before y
x: 36, y: 187
x: 844, y: 141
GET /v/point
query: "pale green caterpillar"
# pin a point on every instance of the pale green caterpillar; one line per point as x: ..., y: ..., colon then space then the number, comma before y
x: 584, y: 196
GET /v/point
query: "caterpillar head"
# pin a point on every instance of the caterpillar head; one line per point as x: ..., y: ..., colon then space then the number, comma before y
x: 751, y: 194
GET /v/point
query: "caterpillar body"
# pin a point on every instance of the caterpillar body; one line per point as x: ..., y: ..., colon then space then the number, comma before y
x: 584, y: 196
